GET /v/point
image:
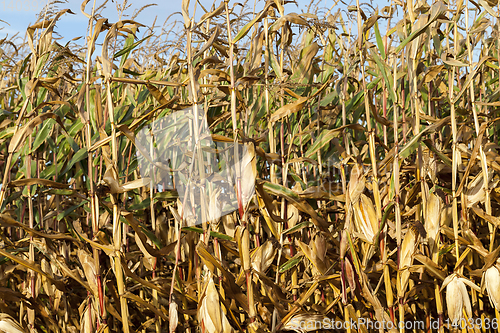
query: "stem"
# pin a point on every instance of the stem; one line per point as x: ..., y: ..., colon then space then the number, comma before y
x: 233, y: 109
x: 117, y: 237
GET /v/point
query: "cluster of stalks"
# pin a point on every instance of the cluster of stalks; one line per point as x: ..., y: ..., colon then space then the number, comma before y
x: 365, y: 185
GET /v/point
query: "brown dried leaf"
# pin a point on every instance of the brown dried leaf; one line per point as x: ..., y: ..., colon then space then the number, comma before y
x: 36, y: 181
x: 288, y: 109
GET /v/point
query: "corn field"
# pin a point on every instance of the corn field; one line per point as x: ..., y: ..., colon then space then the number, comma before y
x: 338, y: 170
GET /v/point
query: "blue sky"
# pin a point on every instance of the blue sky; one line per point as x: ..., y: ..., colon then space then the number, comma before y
x: 19, y: 14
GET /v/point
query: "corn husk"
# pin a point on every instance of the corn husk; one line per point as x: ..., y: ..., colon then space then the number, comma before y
x: 88, y: 265
x: 210, y: 314
x: 263, y: 257
x: 173, y: 317
x: 9, y: 324
x: 457, y: 298
x: 491, y: 282
x: 365, y: 217
x: 432, y: 219
x: 248, y: 170
x: 407, y: 249
x: 88, y: 319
